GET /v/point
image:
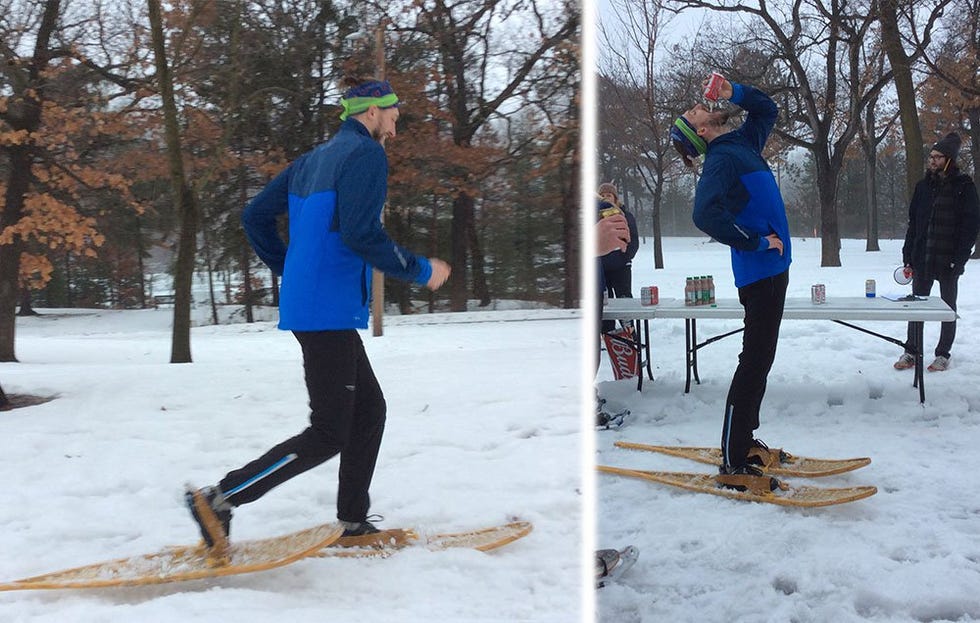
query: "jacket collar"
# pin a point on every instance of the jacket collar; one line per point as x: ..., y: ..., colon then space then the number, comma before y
x: 722, y: 138
x: 353, y: 125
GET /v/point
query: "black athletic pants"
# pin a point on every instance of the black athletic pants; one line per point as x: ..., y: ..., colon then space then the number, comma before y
x: 619, y: 285
x: 948, y: 289
x: 763, y: 302
x: 347, y: 417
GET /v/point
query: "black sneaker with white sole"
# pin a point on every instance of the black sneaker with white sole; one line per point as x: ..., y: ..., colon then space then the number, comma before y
x: 361, y: 528
x: 213, y: 497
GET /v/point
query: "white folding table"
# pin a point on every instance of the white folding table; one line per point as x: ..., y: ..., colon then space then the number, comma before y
x: 842, y: 310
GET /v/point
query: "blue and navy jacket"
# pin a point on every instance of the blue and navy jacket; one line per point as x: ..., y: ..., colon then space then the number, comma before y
x: 334, y: 195
x: 737, y: 201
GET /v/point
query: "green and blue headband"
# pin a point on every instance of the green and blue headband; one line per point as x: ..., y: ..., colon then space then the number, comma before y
x: 363, y: 96
x: 686, y: 135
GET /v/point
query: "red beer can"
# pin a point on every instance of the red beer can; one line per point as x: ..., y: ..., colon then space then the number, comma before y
x: 712, y: 90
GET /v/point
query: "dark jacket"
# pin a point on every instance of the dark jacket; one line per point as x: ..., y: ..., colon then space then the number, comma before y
x: 737, y: 201
x: 618, y: 260
x: 334, y: 195
x: 955, y: 248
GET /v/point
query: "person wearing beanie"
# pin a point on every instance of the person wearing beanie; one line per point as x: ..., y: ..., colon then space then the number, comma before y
x: 613, y: 235
x: 617, y: 266
x: 333, y: 196
x: 738, y: 203
x: 944, y: 219
x: 607, y: 192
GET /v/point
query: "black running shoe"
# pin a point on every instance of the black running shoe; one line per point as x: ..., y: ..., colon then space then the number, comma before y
x: 220, y: 507
x: 360, y: 528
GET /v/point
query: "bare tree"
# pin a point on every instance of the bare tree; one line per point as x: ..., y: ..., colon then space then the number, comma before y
x: 634, y: 85
x: 870, y: 138
x: 819, y: 45
x: 28, y: 79
x: 484, y: 67
x: 183, y: 197
x: 871, y: 133
x: 893, y: 42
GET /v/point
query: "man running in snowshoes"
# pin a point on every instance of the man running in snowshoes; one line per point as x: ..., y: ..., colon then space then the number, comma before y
x: 333, y: 195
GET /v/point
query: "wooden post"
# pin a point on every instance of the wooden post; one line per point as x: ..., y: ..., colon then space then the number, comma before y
x: 378, y: 278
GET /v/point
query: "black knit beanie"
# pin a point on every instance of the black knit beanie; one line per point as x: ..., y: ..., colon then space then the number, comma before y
x: 949, y: 146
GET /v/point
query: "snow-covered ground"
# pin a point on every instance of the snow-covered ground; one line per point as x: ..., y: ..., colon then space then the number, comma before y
x: 910, y: 553
x: 483, y: 428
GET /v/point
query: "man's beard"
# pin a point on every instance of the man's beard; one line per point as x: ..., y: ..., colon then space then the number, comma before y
x: 940, y: 171
x: 378, y: 135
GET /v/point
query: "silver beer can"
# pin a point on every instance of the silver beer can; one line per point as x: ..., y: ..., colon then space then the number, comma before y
x: 649, y: 295
x: 869, y: 288
x: 818, y: 294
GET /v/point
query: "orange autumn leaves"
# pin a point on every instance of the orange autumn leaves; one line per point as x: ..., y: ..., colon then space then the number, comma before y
x: 71, y: 173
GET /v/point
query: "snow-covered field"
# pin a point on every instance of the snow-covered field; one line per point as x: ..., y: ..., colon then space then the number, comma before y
x: 910, y: 553
x: 483, y: 428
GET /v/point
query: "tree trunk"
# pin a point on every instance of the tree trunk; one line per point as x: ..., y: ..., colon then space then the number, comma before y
x: 908, y: 109
x: 247, y: 282
x: 480, y: 289
x: 829, y: 230
x: 17, y: 186
x: 246, y: 250
x: 23, y: 113
x: 871, y: 192
x: 180, y: 347
x: 462, y: 215
x: 974, y: 116
x: 570, y: 238
x: 180, y: 343
x: 139, y: 261
x: 433, y: 247
x: 658, y: 243
x: 26, y: 309
x: 868, y: 142
x: 69, y: 293
x: 209, y: 265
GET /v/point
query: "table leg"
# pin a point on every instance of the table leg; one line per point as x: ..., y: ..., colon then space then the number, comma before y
x: 638, y: 345
x: 694, y: 350
x: 688, y: 352
x: 918, y: 339
x: 646, y: 346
